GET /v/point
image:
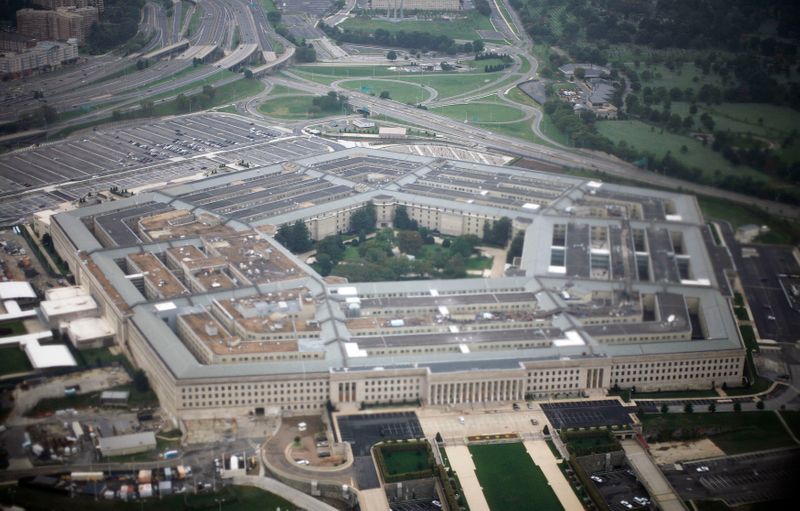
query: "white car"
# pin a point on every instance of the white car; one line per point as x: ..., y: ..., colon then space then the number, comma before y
x: 596, y: 479
x: 436, y: 503
x: 626, y: 504
x: 302, y: 462
x: 702, y: 468
x: 641, y: 501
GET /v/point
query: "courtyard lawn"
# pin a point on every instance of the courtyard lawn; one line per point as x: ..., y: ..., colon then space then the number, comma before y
x: 13, y: 360
x: 733, y: 432
x: 405, y: 92
x: 510, y: 479
x: 404, y: 462
x: 12, y: 328
x: 460, y: 28
x: 479, y: 113
x: 647, y: 138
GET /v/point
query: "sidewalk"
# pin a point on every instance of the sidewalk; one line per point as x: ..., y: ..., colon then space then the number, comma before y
x: 461, y: 463
x: 544, y: 459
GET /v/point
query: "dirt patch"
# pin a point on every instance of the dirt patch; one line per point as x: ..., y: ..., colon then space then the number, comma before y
x: 666, y: 453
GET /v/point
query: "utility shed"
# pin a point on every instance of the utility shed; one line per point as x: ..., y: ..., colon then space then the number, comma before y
x: 122, y: 445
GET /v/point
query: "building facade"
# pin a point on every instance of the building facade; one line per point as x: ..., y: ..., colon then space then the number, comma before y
x: 615, y: 287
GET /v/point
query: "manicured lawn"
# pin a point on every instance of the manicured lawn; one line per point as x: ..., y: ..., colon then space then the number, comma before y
x: 781, y: 231
x: 644, y: 137
x: 12, y: 328
x: 679, y: 394
x: 792, y: 418
x: 282, y: 89
x: 749, y: 337
x: 13, y: 360
x: 733, y: 432
x: 329, y: 74
x: 456, y: 29
x: 406, y: 92
x: 478, y: 113
x: 683, y: 77
x: 291, y: 107
x: 480, y: 65
x: 236, y: 498
x: 454, y: 84
x: 510, y: 479
x: 403, y: 462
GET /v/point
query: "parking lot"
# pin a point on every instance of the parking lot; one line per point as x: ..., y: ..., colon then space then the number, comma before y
x: 584, y: 414
x: 138, y: 156
x: 737, y: 479
x: 619, y: 486
x: 364, y: 431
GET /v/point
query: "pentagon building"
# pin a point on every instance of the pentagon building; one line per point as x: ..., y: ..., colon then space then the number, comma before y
x: 615, y: 286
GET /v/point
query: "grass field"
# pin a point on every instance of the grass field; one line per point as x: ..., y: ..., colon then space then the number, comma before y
x: 647, y: 138
x: 446, y: 84
x: 405, y: 92
x: 291, y: 107
x: 11, y: 328
x: 479, y: 65
x: 403, y: 462
x: 236, y: 498
x: 684, y: 77
x: 480, y: 113
x: 13, y: 360
x: 510, y: 479
x: 781, y: 231
x: 223, y: 94
x: 464, y: 28
x: 733, y: 432
x: 194, y: 23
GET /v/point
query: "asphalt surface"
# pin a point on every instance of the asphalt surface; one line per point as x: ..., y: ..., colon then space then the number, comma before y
x: 741, y: 479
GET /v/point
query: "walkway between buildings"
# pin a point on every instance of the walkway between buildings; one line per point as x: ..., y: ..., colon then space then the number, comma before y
x: 653, y: 479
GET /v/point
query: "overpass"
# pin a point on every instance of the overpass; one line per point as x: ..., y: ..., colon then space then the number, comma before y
x: 167, y: 50
x: 262, y: 70
x: 241, y: 55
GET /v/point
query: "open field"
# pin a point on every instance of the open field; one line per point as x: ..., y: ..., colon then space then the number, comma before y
x: 405, y: 92
x: 454, y: 84
x: 511, y: 480
x: 290, y: 107
x: 684, y: 77
x: 464, y: 28
x: 644, y: 137
x: 732, y: 432
x: 478, y: 113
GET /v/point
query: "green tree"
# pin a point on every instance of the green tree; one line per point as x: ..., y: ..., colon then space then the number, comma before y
x: 760, y: 404
x: 464, y: 245
x: 580, y: 73
x: 324, y: 264
x: 402, y: 221
x: 409, y: 242
x: 517, y: 244
x: 140, y: 381
x: 363, y: 221
x: 688, y: 408
x: 385, y: 94
x: 248, y: 74
x: 664, y: 409
x: 737, y: 406
x: 331, y: 246
x: 301, y: 237
x: 497, y: 233
x: 712, y: 407
x: 478, y: 46
x: 392, y: 55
